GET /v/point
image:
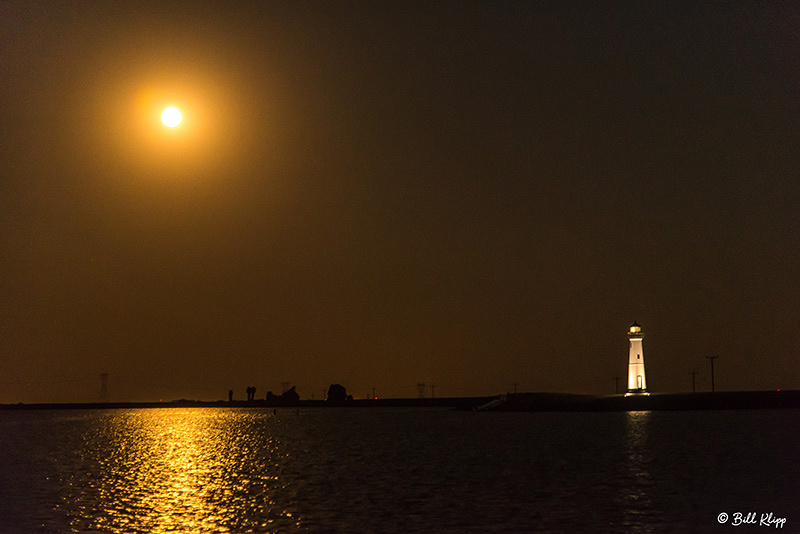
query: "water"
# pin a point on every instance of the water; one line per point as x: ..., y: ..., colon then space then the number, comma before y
x: 393, y: 470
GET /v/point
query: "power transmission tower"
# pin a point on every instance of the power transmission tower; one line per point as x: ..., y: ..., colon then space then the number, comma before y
x: 712, y: 358
x: 104, y: 387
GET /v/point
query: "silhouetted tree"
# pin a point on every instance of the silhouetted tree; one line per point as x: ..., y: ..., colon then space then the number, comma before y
x: 337, y: 393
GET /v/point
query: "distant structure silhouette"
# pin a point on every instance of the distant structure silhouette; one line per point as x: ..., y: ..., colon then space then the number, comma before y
x: 337, y: 393
x: 104, y: 397
x: 230, y: 395
x: 290, y: 397
x: 421, y: 390
x: 251, y: 393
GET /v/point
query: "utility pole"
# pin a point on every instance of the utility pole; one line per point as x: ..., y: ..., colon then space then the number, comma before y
x: 616, y: 384
x: 693, y: 373
x: 712, y: 358
x: 515, y: 387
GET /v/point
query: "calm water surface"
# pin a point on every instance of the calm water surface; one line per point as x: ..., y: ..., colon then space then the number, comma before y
x: 391, y: 470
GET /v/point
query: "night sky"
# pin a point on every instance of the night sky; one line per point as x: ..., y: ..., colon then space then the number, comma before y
x: 465, y: 194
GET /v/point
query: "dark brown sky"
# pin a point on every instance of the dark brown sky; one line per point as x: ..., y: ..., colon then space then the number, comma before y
x: 466, y: 194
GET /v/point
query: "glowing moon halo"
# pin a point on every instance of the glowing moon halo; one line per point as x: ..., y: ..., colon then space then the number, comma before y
x: 171, y: 117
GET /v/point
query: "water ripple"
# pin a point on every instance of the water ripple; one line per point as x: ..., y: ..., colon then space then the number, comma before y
x: 389, y: 471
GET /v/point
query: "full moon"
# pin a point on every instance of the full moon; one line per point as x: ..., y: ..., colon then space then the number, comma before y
x: 171, y: 117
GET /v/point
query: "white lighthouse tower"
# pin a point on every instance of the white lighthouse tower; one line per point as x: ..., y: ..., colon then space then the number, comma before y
x: 637, y: 384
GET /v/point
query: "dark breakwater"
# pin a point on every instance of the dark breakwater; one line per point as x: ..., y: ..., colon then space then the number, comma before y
x: 724, y: 400
x: 542, y: 402
x: 464, y: 403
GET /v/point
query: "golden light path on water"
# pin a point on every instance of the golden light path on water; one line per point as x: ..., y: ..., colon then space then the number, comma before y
x: 635, y: 497
x: 192, y: 470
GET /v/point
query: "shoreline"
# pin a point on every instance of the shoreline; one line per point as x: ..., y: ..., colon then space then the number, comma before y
x: 443, y: 402
x: 521, y: 402
x: 723, y: 400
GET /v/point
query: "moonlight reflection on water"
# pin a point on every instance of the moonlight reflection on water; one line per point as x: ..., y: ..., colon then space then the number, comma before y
x: 183, y: 470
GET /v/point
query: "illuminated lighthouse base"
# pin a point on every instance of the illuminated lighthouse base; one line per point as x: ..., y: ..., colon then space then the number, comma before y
x: 637, y: 383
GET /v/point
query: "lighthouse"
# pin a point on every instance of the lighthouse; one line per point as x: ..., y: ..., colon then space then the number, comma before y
x: 637, y: 384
